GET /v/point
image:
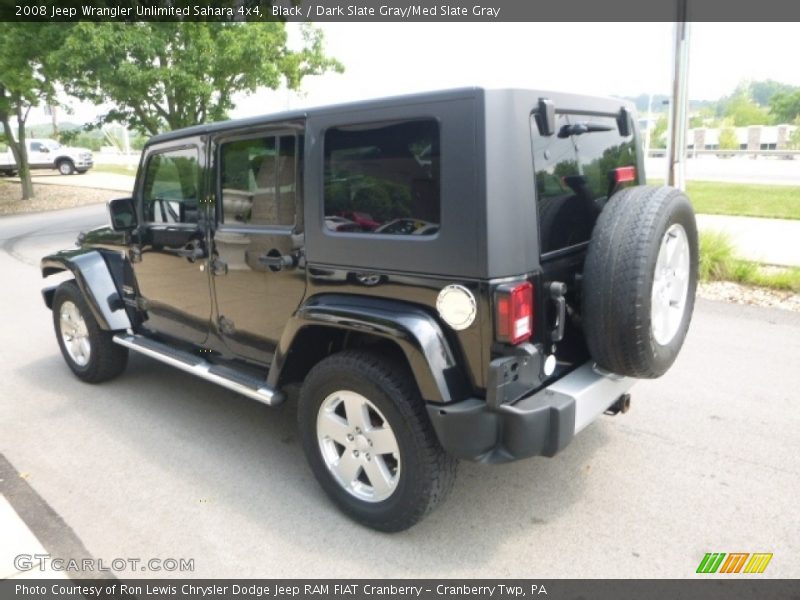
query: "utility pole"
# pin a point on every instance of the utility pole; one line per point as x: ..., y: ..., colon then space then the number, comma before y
x: 679, y: 107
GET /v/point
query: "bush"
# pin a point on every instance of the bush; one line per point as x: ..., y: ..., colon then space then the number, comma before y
x: 717, y: 256
x: 718, y: 262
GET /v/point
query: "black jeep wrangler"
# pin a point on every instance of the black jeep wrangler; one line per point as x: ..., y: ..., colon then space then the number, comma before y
x: 467, y: 274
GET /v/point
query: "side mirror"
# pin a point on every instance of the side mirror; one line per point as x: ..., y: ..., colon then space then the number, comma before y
x: 44, y: 149
x: 123, y: 214
x: 624, y: 122
x: 546, y: 117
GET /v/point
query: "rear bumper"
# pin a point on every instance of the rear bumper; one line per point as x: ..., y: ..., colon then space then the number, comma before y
x: 540, y: 424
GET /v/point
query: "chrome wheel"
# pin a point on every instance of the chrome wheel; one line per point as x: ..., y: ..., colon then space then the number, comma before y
x: 74, y: 334
x: 358, y: 446
x: 670, y: 285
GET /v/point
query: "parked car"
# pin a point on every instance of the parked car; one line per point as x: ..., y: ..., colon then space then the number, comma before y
x: 362, y: 219
x: 49, y: 154
x: 556, y: 279
x: 408, y: 227
x: 336, y: 223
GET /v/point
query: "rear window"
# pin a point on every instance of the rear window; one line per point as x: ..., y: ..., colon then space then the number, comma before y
x: 383, y: 178
x: 573, y: 172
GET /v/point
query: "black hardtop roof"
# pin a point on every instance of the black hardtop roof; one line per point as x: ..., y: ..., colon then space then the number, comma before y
x: 598, y: 102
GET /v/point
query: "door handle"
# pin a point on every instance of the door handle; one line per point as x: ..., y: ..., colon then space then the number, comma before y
x: 278, y: 262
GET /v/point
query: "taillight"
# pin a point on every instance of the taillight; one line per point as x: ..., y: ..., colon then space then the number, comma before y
x: 514, y: 318
x: 624, y: 174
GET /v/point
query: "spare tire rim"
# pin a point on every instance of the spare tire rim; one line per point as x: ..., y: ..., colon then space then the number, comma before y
x: 74, y: 334
x: 358, y: 446
x: 670, y: 285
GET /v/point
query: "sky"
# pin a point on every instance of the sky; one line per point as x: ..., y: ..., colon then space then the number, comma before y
x: 619, y: 59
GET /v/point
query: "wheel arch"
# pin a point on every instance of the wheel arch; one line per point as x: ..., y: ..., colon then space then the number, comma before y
x: 94, y: 278
x: 329, y: 323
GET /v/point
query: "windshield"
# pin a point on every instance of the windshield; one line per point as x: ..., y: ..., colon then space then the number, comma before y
x: 53, y: 145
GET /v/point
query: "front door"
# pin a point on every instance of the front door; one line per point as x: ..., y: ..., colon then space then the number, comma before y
x: 169, y: 254
x: 258, y: 276
x: 39, y: 154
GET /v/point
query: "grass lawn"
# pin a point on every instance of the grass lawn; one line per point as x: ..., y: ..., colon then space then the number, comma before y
x: 743, y: 199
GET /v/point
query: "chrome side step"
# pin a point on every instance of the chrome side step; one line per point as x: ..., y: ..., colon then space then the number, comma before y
x: 228, y: 378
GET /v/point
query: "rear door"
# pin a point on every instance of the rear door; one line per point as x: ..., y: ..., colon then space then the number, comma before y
x: 258, y: 242
x: 575, y: 171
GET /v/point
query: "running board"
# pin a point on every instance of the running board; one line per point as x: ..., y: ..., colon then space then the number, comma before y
x: 228, y: 378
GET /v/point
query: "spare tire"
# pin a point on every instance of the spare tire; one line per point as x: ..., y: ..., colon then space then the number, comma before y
x: 639, y: 281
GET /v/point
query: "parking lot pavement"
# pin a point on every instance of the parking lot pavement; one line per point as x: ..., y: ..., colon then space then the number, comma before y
x: 157, y: 464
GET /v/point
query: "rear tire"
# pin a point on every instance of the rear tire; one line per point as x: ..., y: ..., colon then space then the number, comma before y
x: 87, y: 349
x: 359, y: 416
x: 639, y: 281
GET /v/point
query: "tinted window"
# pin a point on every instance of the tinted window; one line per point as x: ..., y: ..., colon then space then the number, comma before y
x: 573, y: 172
x: 383, y: 178
x: 259, y: 180
x: 170, y: 187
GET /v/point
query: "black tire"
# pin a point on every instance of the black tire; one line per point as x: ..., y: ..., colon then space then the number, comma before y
x: 9, y: 173
x: 106, y: 359
x: 65, y: 166
x: 619, y: 275
x: 426, y: 474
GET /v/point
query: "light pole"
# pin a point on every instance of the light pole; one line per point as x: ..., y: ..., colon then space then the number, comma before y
x: 679, y: 107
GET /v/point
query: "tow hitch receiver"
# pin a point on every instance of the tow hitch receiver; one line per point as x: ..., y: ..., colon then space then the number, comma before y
x: 622, y: 405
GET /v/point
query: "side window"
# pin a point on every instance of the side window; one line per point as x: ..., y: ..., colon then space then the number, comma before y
x: 258, y: 180
x: 383, y: 178
x: 171, y: 186
x: 36, y: 146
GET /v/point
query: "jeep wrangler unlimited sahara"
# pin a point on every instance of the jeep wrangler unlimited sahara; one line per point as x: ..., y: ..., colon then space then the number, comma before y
x: 466, y: 274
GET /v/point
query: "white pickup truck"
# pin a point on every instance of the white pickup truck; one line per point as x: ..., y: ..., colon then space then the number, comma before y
x: 48, y: 154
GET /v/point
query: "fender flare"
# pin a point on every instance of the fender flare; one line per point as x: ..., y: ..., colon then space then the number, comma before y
x: 93, y: 276
x: 416, y: 332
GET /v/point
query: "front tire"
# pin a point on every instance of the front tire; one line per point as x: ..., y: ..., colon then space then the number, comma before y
x: 369, y: 441
x: 66, y: 167
x: 87, y: 349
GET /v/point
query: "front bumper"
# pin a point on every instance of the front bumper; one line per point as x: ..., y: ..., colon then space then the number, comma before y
x: 540, y: 424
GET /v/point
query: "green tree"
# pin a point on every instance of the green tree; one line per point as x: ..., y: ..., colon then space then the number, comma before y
x: 741, y: 109
x: 26, y: 81
x: 762, y: 92
x: 171, y: 75
x: 793, y: 143
x: 785, y: 106
x: 658, y: 138
x: 728, y: 139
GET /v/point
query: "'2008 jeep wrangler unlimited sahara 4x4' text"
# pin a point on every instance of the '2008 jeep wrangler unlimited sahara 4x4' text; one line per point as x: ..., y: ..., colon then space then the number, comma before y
x: 467, y: 274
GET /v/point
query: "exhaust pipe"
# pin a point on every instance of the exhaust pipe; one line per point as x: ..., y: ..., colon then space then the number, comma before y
x: 622, y: 405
